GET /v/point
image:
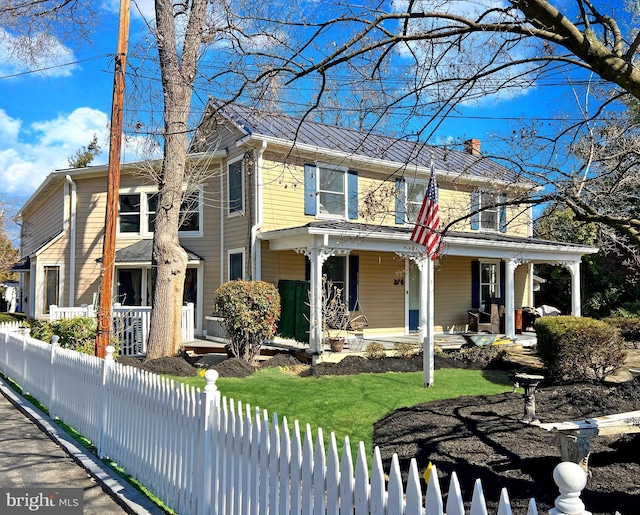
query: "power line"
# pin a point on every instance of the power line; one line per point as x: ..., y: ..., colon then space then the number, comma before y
x: 56, y: 66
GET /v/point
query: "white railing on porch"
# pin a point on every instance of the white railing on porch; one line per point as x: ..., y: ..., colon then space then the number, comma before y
x: 60, y: 313
x: 203, y: 454
x: 131, y: 324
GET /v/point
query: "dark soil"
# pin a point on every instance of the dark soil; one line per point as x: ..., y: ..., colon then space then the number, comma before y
x: 482, y: 437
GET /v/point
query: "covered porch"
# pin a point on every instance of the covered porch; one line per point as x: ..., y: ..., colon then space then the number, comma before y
x: 455, y: 287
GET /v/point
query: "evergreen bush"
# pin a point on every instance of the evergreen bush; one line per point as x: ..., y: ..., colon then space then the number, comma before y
x: 629, y: 328
x: 77, y: 334
x: 579, y: 349
x: 251, y: 310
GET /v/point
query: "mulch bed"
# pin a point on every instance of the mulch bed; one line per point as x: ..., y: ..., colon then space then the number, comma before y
x: 483, y: 436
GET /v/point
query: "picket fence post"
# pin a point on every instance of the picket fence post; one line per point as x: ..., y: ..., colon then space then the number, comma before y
x: 107, y: 362
x: 571, y: 480
x: 55, y: 342
x: 25, y: 335
x: 210, y: 405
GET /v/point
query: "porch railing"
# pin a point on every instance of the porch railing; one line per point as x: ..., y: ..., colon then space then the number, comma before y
x: 130, y: 323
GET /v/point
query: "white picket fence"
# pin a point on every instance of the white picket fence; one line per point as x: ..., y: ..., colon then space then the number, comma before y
x: 131, y: 324
x: 204, y: 454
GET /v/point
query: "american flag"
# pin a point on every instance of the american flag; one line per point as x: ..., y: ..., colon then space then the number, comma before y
x: 427, y: 225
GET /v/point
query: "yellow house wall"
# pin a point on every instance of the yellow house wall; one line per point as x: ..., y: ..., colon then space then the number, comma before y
x: 284, y: 199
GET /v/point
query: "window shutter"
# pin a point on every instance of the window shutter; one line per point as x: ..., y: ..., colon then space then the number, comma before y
x: 309, y: 189
x: 400, y: 201
x: 475, y: 215
x: 475, y: 284
x: 352, y: 195
x: 503, y: 214
x: 503, y: 274
x: 354, y: 273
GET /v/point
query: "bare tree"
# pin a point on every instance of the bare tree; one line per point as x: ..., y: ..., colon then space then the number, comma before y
x: 31, y: 30
x: 455, y: 53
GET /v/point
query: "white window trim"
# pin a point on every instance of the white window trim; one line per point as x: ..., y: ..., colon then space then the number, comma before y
x: 40, y: 286
x: 144, y: 215
x: 329, y: 216
x: 481, y: 194
x: 481, y: 283
x: 239, y: 250
x: 242, y: 193
x: 405, y: 186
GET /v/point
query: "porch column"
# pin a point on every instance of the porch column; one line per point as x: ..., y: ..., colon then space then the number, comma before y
x: 509, y: 303
x: 574, y: 268
x: 425, y: 265
x: 317, y: 257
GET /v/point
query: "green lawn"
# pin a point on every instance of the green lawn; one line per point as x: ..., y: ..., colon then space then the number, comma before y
x: 349, y: 405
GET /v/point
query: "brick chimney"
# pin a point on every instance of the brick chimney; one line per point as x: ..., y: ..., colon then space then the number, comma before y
x: 472, y: 146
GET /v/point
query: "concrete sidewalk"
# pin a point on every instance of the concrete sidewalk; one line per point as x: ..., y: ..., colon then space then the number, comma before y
x: 35, y: 452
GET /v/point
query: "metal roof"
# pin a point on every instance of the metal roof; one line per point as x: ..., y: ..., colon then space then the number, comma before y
x: 344, y: 228
x: 252, y: 121
x: 141, y: 251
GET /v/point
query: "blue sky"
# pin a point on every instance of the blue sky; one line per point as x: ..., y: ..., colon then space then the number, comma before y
x: 45, y: 116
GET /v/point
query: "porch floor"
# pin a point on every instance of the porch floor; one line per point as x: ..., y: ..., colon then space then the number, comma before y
x: 354, y: 345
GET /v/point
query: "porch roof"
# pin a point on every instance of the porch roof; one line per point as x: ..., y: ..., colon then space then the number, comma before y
x: 344, y: 235
x: 141, y: 252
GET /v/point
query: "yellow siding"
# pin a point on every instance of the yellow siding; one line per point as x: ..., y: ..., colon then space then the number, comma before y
x: 284, y: 199
x: 382, y: 297
x: 282, y: 265
x: 452, y: 283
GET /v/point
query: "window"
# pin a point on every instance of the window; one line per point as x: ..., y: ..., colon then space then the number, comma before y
x: 485, y: 215
x: 134, y: 286
x: 489, y: 281
x: 330, y: 191
x: 236, y: 264
x: 129, y: 213
x: 489, y: 216
x: 235, y: 187
x: 51, y: 287
x: 415, y: 196
x: 137, y: 213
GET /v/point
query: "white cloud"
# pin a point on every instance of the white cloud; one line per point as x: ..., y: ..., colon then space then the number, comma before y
x: 29, y: 154
x: 16, y: 58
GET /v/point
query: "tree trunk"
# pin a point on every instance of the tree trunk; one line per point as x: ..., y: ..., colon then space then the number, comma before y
x: 178, y: 70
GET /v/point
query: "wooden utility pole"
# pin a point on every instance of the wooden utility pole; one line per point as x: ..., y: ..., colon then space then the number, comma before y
x: 113, y: 185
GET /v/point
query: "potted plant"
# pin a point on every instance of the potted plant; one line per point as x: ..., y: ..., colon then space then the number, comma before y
x: 335, y: 319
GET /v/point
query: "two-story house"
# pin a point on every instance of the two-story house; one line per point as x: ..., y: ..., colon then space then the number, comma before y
x: 287, y: 201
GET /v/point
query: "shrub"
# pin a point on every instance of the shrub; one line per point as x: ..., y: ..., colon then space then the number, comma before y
x: 404, y: 350
x: 578, y: 349
x: 374, y: 350
x: 11, y: 317
x: 77, y: 334
x: 629, y: 328
x: 250, y: 310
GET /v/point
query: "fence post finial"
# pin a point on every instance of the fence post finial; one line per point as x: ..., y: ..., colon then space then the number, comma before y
x: 211, y: 376
x: 110, y: 351
x: 55, y: 340
x: 571, y: 480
